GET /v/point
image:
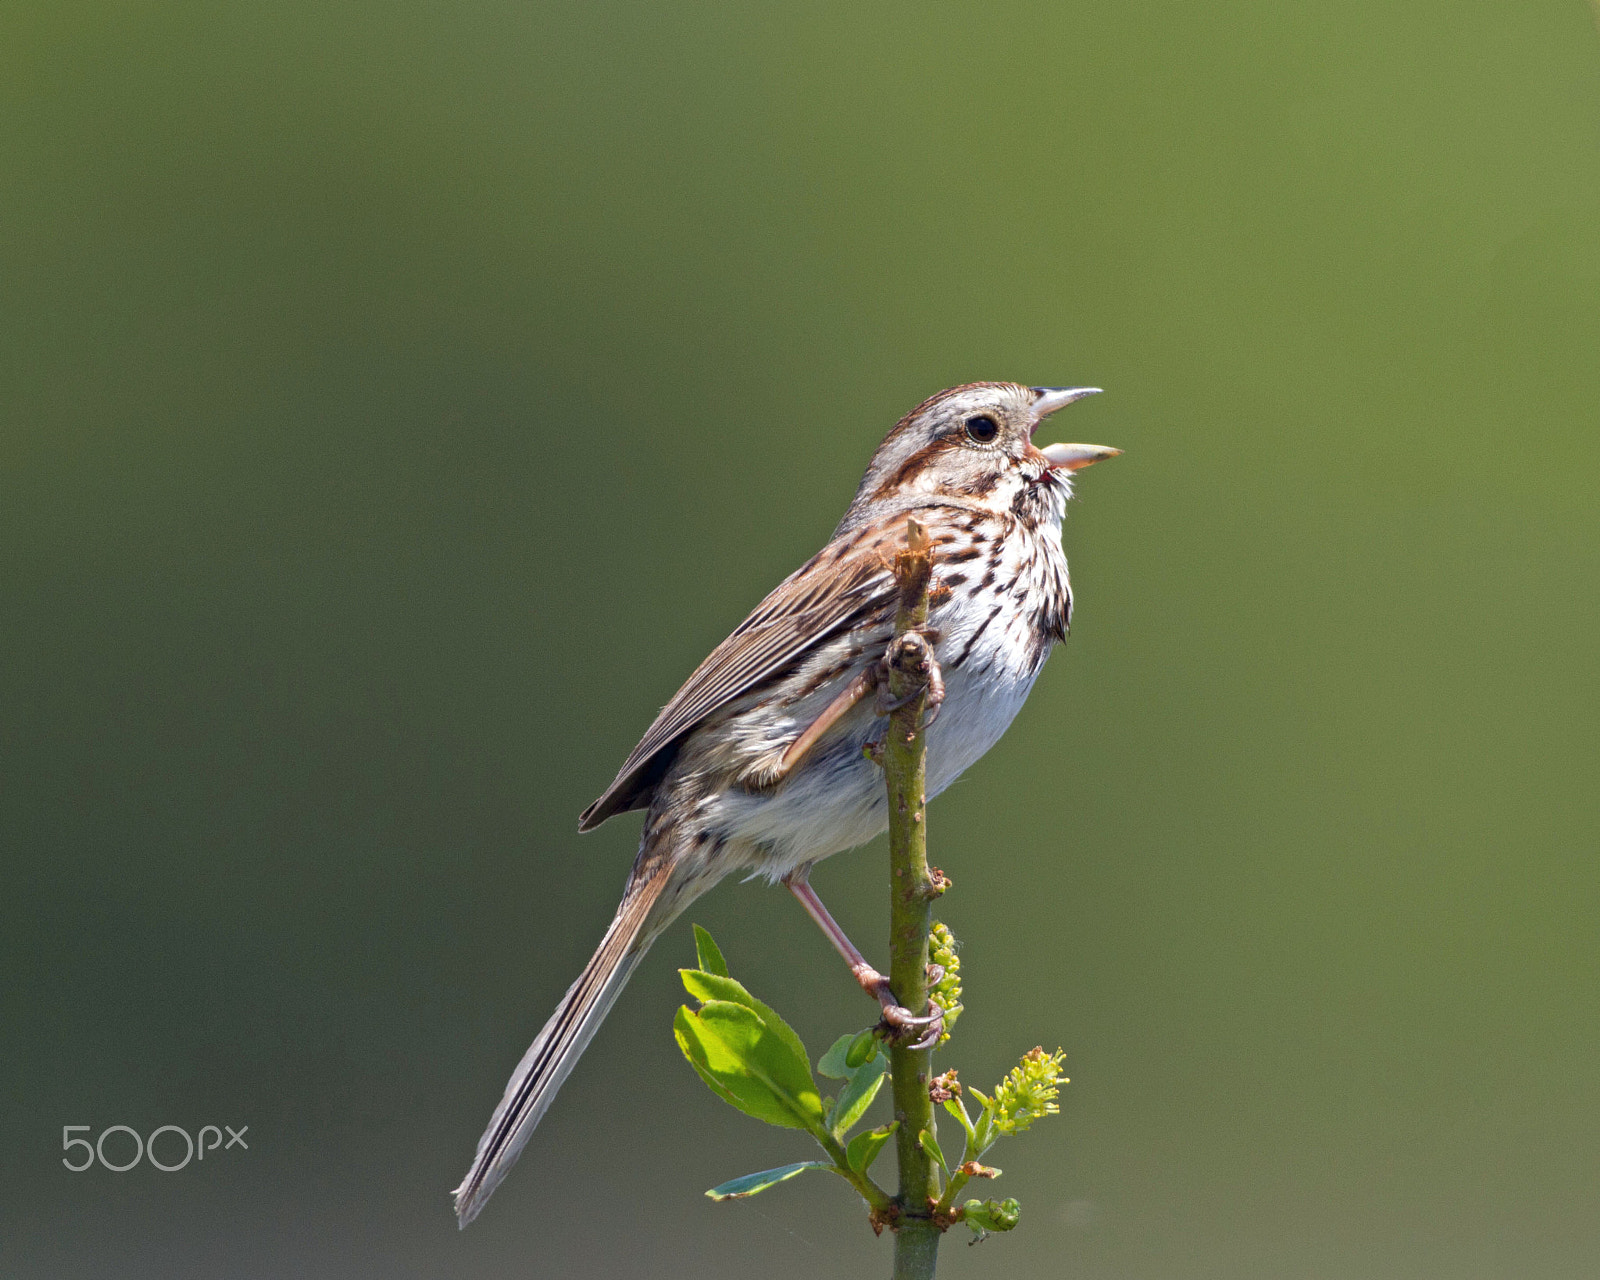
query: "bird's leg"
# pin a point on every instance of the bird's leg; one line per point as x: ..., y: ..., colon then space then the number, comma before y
x: 897, y: 1021
x: 872, y: 982
x: 851, y: 694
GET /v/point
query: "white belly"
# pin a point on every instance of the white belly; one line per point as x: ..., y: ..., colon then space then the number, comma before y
x: 835, y: 800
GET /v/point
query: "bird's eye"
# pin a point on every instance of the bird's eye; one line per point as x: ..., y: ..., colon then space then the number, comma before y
x: 983, y: 428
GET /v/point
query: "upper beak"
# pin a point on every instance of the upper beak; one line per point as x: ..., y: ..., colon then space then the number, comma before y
x: 1074, y: 457
x: 1049, y: 399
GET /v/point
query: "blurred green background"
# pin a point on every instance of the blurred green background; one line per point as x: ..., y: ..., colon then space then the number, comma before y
x: 398, y: 401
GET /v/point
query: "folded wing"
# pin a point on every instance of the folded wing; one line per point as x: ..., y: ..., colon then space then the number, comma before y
x: 846, y: 582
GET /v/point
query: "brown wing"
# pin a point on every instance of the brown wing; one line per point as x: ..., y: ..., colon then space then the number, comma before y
x: 842, y: 584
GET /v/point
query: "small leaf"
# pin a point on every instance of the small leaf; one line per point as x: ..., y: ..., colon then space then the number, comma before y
x: 752, y: 1183
x: 832, y: 1063
x: 857, y: 1096
x: 930, y: 1144
x: 745, y: 1064
x: 863, y: 1049
x: 708, y: 955
x: 954, y: 1107
x: 960, y: 1151
x: 864, y: 1147
x: 984, y: 1135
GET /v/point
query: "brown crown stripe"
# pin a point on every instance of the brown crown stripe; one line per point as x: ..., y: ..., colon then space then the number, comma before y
x: 918, y: 461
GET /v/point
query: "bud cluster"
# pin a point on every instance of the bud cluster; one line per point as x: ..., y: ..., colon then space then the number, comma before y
x: 946, y: 989
x: 1029, y: 1091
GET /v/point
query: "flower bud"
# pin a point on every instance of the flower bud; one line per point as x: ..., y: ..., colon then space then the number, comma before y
x: 991, y: 1215
x: 861, y: 1049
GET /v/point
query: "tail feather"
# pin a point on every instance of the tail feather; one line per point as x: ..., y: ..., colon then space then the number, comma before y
x: 557, y: 1047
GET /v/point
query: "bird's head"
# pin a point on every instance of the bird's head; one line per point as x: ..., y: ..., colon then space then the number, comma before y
x: 974, y: 445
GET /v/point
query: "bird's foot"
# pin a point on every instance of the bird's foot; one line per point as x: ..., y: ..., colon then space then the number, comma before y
x: 912, y: 654
x: 898, y: 1024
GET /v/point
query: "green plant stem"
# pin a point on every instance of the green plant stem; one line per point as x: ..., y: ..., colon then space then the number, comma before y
x: 973, y: 1152
x: 870, y: 1191
x: 916, y: 1252
x: 958, y: 1183
x: 911, y: 913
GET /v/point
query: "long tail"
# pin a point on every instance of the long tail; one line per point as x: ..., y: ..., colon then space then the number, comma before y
x: 556, y: 1049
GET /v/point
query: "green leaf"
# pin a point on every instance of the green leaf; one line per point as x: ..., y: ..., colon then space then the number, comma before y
x: 960, y: 1152
x: 832, y: 1064
x: 688, y: 1031
x: 708, y: 956
x: 703, y: 985
x: 954, y: 1107
x: 753, y: 1183
x: 864, y: 1147
x: 930, y: 1144
x: 857, y: 1095
x: 984, y: 1135
x: 748, y: 1065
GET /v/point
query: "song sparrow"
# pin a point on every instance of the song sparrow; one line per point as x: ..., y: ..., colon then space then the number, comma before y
x: 760, y: 763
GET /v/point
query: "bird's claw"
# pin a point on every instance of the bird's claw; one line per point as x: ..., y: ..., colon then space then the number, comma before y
x: 899, y: 1023
x: 933, y: 687
x: 888, y: 705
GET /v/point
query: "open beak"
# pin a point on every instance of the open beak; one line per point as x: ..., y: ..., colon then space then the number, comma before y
x: 1071, y: 457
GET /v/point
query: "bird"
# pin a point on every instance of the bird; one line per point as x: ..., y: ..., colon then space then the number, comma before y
x: 763, y: 761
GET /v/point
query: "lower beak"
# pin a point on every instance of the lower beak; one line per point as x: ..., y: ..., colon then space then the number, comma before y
x: 1075, y: 457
